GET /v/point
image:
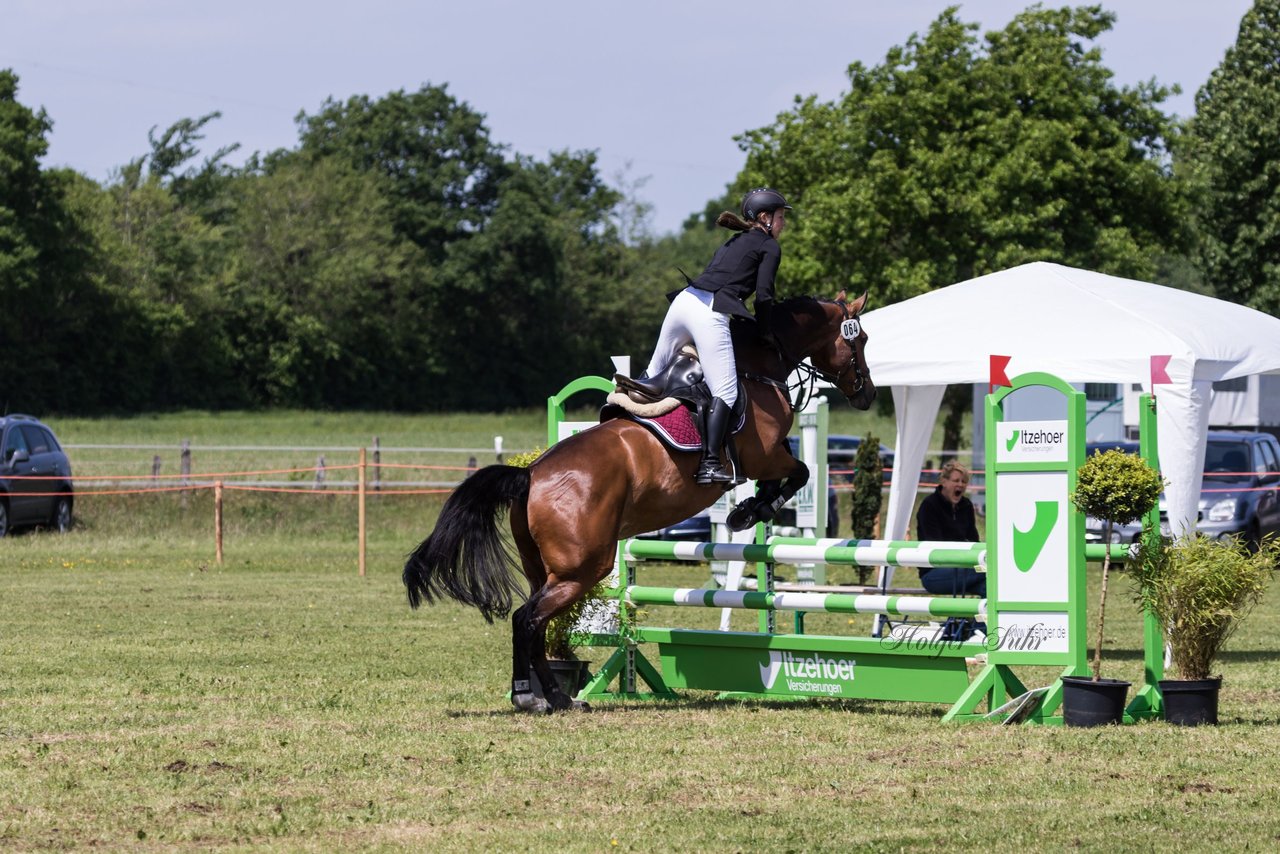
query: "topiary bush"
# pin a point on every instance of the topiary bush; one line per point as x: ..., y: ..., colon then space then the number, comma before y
x: 1117, y: 488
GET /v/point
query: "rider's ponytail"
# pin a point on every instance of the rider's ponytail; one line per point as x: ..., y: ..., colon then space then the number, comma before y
x: 729, y: 219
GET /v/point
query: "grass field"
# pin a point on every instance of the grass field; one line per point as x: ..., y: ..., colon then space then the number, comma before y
x: 151, y: 699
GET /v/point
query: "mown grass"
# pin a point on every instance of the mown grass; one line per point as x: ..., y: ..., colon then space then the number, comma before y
x: 152, y: 699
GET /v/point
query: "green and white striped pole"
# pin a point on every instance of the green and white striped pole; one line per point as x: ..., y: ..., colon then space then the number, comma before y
x: 835, y: 603
x: 792, y: 550
x: 845, y: 552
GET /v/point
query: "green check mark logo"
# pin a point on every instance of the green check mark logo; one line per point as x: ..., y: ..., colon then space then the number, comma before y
x: 1013, y: 440
x: 1028, y: 544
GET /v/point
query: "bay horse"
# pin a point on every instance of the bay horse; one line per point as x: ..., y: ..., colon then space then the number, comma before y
x: 570, y: 507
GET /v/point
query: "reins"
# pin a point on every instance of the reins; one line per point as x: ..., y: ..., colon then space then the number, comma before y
x: 801, y: 392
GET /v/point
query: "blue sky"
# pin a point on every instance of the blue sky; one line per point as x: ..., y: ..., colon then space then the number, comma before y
x: 659, y: 88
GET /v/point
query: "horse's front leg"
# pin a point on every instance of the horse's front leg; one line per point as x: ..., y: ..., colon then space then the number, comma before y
x: 768, y: 500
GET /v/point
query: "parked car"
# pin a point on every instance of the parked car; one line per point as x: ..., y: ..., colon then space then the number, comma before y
x: 1239, y: 494
x: 29, y: 449
x: 841, y: 450
x: 1123, y: 445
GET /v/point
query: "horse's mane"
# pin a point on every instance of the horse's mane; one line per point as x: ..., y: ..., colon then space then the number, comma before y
x: 794, y: 307
x: 786, y: 311
x: 796, y: 304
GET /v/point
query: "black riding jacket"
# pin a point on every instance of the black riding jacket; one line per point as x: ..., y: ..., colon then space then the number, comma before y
x: 941, y: 521
x: 746, y: 263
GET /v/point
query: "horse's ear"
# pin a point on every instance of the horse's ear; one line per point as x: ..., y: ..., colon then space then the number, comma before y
x: 842, y: 296
x: 859, y: 304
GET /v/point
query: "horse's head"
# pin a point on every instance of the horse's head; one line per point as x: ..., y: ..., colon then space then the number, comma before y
x: 836, y: 349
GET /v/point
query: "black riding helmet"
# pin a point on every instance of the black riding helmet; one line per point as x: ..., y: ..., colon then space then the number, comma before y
x: 762, y: 200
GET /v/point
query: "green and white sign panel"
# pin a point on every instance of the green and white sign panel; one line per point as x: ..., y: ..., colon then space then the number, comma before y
x: 1036, y: 537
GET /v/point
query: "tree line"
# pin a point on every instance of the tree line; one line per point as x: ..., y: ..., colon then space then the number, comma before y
x: 398, y: 257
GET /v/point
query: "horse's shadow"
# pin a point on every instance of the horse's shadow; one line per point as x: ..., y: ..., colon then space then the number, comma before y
x: 695, y: 704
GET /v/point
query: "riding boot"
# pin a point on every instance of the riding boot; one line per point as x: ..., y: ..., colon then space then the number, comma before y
x: 711, y: 469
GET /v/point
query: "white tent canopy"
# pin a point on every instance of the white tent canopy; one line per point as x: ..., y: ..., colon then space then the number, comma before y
x: 1081, y: 327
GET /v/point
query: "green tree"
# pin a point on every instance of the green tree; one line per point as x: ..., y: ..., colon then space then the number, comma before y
x: 529, y: 301
x: 201, y: 189
x: 951, y: 160
x: 163, y: 266
x: 50, y: 307
x: 1232, y: 159
x: 316, y: 286
x: 22, y: 189
x: 440, y: 169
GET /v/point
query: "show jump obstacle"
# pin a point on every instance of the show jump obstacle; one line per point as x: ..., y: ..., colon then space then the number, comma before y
x: 1035, y: 612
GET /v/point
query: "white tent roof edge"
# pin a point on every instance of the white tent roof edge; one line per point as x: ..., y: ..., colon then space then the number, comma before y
x: 1076, y: 324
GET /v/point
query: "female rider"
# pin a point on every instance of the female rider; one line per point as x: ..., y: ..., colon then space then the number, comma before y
x: 745, y: 264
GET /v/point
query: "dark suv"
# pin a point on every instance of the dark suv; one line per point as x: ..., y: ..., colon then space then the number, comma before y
x: 1239, y: 496
x: 28, y: 449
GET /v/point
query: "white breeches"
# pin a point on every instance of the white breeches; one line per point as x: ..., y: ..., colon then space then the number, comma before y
x: 691, y: 318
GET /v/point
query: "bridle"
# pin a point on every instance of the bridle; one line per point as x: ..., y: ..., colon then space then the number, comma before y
x: 799, y: 393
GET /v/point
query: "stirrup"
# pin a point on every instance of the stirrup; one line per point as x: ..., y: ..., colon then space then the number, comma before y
x: 709, y: 473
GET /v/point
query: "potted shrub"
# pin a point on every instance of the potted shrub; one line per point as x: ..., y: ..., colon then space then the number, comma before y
x: 1117, y: 488
x: 1199, y: 589
x: 590, y: 614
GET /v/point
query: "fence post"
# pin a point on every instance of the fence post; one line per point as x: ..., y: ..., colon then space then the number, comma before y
x: 361, y: 515
x: 377, y: 467
x: 320, y: 473
x: 217, y: 521
x: 184, y: 466
x: 155, y: 466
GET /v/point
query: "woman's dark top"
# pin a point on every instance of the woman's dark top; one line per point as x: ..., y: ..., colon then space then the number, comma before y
x: 939, y: 520
x: 746, y: 263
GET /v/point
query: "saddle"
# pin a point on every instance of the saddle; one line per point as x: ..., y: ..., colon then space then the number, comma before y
x: 680, y: 381
x: 674, y: 404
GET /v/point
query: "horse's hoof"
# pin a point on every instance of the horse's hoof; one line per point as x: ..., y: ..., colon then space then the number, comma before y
x: 742, y: 518
x: 531, y: 704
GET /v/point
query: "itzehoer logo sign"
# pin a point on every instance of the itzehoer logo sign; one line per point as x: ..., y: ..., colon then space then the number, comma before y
x: 1035, y: 440
x: 808, y: 672
x: 1027, y: 441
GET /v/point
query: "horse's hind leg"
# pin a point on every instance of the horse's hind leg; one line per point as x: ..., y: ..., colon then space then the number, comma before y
x: 524, y: 638
x: 523, y: 646
x: 531, y: 631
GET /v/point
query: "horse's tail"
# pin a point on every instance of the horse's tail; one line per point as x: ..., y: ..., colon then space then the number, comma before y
x: 465, y: 557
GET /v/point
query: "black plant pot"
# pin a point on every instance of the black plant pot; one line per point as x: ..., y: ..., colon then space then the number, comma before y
x: 571, y: 675
x: 1089, y: 703
x: 1190, y: 702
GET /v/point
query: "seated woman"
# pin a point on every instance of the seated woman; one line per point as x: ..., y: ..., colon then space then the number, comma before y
x: 947, y: 516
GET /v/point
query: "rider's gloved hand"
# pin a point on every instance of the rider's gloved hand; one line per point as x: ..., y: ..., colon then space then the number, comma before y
x: 764, y: 329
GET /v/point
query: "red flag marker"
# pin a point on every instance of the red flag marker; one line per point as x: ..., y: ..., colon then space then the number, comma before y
x: 1160, y: 370
x: 998, y: 376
